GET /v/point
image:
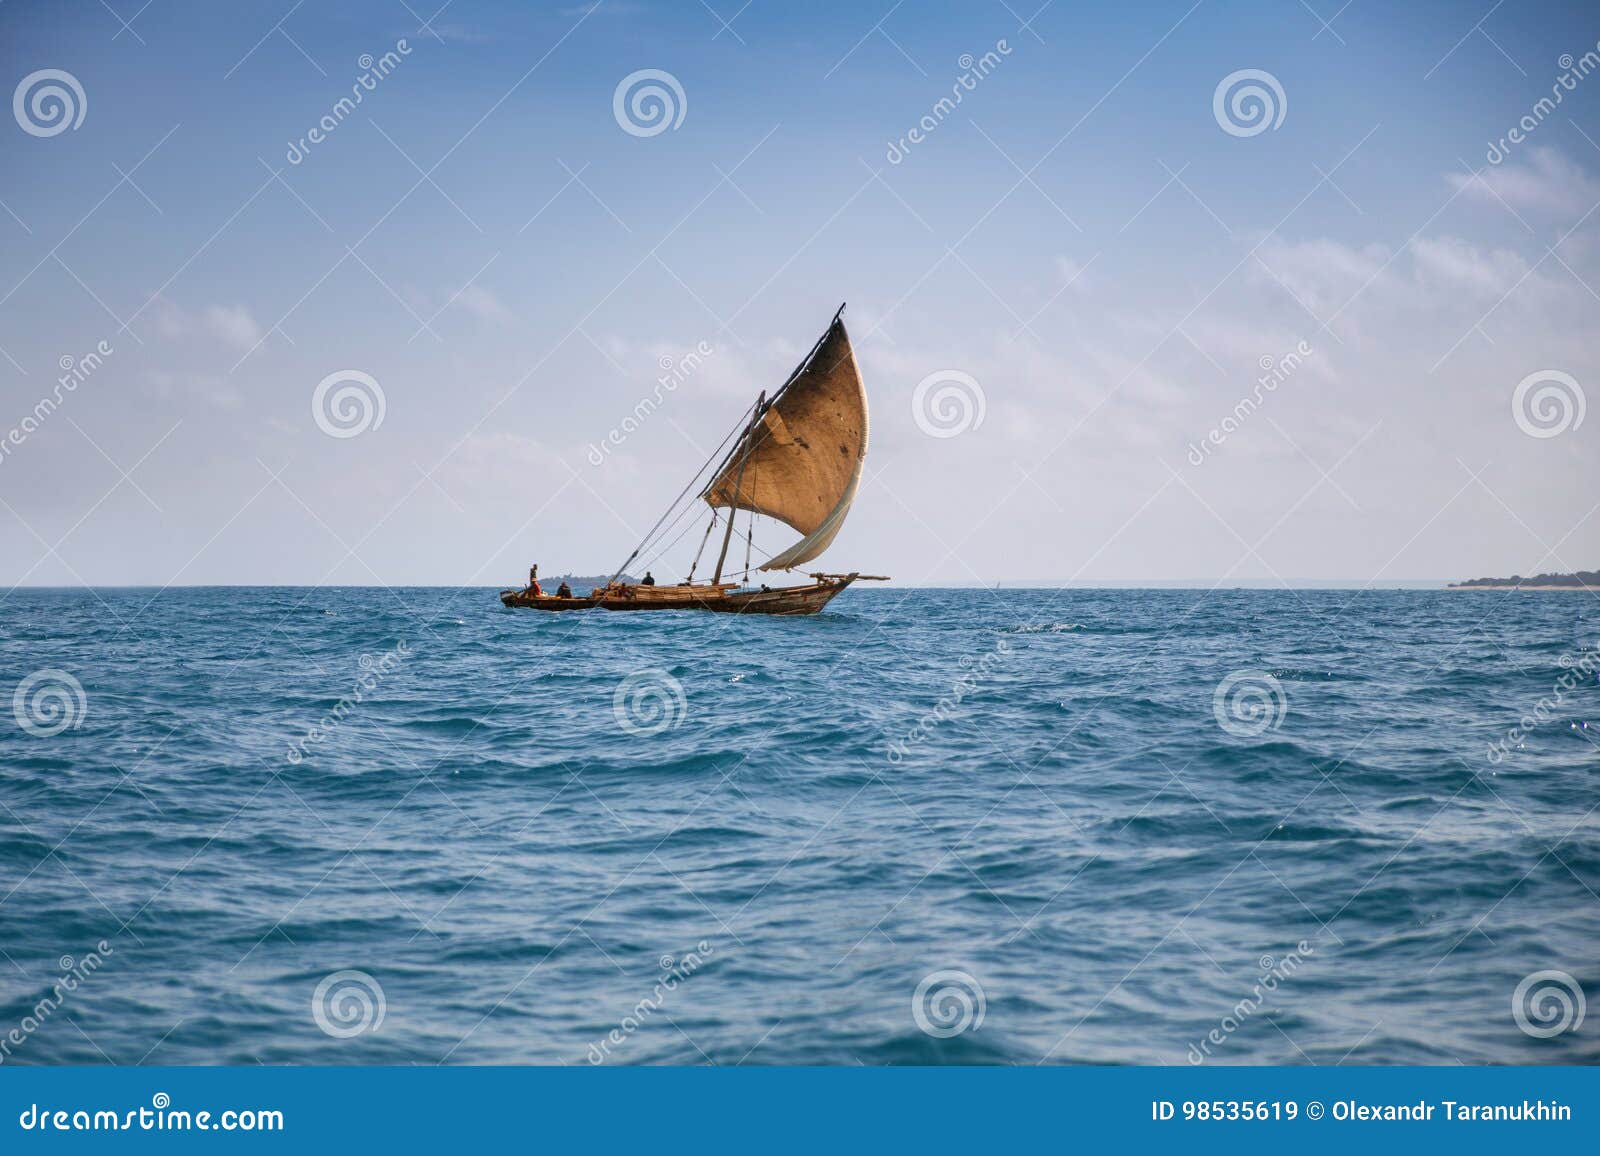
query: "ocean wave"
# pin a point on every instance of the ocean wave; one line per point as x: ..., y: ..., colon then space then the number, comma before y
x: 510, y: 842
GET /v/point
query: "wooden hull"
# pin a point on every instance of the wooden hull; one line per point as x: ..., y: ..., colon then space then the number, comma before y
x: 786, y: 601
x: 521, y: 598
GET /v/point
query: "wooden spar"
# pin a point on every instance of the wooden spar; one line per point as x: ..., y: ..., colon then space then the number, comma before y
x: 799, y: 369
x: 737, y: 482
x: 787, y: 382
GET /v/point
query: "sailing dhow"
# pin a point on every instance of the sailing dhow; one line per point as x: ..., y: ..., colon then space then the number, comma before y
x: 796, y: 457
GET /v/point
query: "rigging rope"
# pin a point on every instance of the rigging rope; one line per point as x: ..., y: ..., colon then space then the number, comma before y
x: 736, y: 429
x: 748, y: 570
x: 654, y: 551
x: 661, y: 552
x: 711, y: 525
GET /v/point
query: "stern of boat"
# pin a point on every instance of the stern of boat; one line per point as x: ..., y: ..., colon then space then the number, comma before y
x: 788, y: 600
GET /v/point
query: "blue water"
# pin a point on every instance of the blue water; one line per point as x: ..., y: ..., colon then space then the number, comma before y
x: 792, y: 817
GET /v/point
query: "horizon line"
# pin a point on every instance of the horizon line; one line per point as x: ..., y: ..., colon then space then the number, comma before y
x: 1011, y: 584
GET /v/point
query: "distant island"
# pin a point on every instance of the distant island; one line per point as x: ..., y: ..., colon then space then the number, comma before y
x: 1581, y: 580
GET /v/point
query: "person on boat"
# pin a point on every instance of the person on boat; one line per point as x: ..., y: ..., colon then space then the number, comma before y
x: 533, y: 580
x: 648, y: 580
x: 563, y: 590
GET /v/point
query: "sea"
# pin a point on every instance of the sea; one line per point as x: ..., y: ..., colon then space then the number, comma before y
x: 975, y: 826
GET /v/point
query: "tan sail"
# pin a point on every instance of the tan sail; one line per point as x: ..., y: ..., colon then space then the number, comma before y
x: 802, y: 461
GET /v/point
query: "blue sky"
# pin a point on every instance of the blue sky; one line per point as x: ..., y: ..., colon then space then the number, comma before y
x: 1080, y: 239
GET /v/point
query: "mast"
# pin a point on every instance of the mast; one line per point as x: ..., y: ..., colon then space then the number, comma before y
x: 727, y: 536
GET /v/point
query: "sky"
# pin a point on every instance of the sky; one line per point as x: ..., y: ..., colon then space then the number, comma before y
x: 411, y: 347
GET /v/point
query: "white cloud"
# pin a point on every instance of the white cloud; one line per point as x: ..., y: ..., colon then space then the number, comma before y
x: 1546, y: 182
x: 483, y: 303
x: 232, y: 324
x: 1323, y: 273
x: 1449, y: 263
x: 1072, y: 273
x: 486, y: 465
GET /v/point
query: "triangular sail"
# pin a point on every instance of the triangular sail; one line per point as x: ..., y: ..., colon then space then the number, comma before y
x: 801, y: 462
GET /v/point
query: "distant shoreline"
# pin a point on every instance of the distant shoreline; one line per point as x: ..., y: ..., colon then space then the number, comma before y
x: 1578, y: 580
x: 1520, y: 586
